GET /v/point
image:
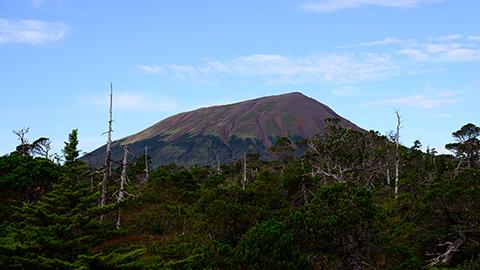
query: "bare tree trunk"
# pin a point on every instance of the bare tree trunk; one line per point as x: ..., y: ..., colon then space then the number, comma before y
x: 304, y: 192
x: 107, y: 174
x: 387, y: 143
x: 452, y: 249
x: 123, y: 181
x: 147, y: 169
x: 397, y: 156
x: 219, y: 169
x: 244, y: 180
x: 388, y: 174
x: 24, y: 147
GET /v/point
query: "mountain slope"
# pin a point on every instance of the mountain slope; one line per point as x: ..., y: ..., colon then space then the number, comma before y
x: 199, y: 136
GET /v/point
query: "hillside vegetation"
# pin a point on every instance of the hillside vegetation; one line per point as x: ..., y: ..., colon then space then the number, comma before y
x: 330, y: 202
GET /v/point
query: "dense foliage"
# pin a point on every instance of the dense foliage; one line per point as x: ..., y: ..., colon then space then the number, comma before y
x: 325, y: 203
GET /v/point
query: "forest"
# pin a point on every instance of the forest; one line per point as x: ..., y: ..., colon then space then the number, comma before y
x: 343, y: 200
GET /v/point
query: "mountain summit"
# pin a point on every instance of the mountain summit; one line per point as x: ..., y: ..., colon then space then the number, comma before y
x: 227, y: 131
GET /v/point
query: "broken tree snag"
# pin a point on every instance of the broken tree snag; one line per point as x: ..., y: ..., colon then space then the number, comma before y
x: 123, y: 181
x: 387, y: 165
x: 451, y: 249
x: 107, y: 173
x: 219, y: 169
x: 147, y: 169
x: 24, y: 147
x: 244, y: 179
x: 397, y: 156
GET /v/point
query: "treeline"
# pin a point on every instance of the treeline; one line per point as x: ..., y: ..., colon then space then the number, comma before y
x: 343, y: 200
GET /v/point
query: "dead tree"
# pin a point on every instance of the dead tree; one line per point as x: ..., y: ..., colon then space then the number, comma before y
x: 107, y: 174
x: 24, y: 146
x: 387, y: 165
x: 219, y: 169
x: 147, y: 169
x: 244, y: 179
x: 397, y: 156
x: 451, y: 248
x: 388, y: 174
x: 91, y: 171
x: 305, y: 194
x: 121, y: 193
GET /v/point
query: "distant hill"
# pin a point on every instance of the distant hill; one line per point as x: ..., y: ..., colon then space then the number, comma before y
x: 227, y: 131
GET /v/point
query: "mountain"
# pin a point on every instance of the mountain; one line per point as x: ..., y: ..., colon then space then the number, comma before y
x: 227, y: 131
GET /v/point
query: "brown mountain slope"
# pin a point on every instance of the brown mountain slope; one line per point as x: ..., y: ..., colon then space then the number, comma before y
x: 198, y: 136
x: 264, y: 118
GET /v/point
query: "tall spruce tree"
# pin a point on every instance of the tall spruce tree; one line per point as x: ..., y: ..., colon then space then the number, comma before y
x: 53, y: 232
x: 70, y: 150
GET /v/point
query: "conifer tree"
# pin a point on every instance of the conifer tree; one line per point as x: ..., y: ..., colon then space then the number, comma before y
x: 53, y: 232
x: 70, y: 151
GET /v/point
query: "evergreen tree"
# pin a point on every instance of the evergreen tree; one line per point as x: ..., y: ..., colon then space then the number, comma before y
x: 467, y: 147
x: 70, y: 150
x: 53, y: 232
x: 270, y: 245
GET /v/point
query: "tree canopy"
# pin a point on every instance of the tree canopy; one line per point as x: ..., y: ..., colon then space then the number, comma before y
x: 329, y: 205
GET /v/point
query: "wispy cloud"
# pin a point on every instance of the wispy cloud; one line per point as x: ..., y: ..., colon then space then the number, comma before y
x: 323, y: 6
x: 31, y: 31
x: 154, y: 69
x: 474, y: 38
x: 351, y: 64
x: 414, y: 54
x: 453, y: 37
x: 134, y: 102
x: 37, y: 3
x: 332, y: 68
x: 385, y: 41
x: 448, y: 52
x: 421, y: 101
x: 449, y: 48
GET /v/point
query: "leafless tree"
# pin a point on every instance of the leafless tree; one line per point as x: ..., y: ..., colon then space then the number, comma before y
x: 244, y: 178
x: 24, y: 147
x: 107, y: 174
x: 446, y: 256
x: 147, y: 169
x: 397, y: 156
x: 121, y: 193
x: 218, y: 168
x: 305, y: 194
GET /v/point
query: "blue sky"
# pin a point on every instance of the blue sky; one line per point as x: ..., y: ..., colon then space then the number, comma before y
x: 363, y: 58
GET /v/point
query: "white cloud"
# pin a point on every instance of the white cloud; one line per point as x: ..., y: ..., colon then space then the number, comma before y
x: 31, y: 31
x: 450, y: 38
x: 352, y: 64
x: 474, y: 38
x: 461, y: 54
x: 385, y: 41
x: 134, y: 102
x: 437, y: 48
x: 323, y: 6
x: 333, y: 68
x: 452, y: 48
x: 421, y: 101
x: 37, y: 3
x: 415, y: 54
x: 154, y: 69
